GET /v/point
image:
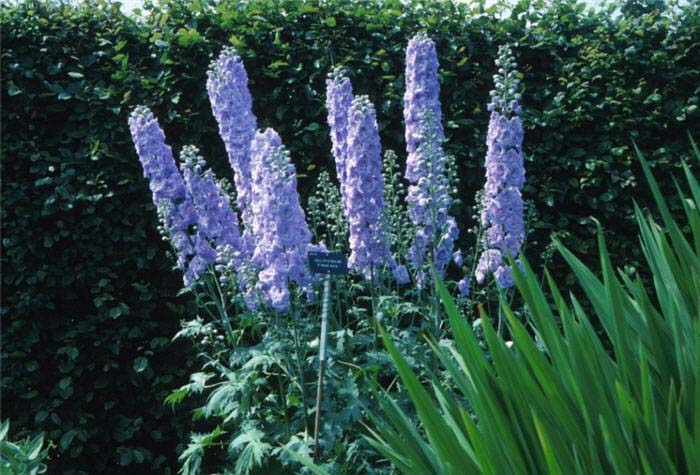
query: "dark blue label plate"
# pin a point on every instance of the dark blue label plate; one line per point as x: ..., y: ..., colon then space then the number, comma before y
x: 328, y: 263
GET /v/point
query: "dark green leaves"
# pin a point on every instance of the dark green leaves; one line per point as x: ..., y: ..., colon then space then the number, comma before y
x: 23, y: 457
x: 188, y: 37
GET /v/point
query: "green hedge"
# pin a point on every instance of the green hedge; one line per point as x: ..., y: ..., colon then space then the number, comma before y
x: 89, y: 299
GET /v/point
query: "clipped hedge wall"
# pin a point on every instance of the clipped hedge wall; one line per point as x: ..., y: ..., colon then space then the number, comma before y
x: 89, y: 300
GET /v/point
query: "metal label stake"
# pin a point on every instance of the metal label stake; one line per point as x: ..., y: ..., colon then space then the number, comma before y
x: 328, y: 263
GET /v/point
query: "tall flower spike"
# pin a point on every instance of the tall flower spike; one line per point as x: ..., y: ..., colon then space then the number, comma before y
x: 422, y: 94
x: 363, y: 192
x: 428, y: 193
x: 216, y: 221
x: 282, y: 237
x: 175, y: 208
x: 502, y: 206
x: 231, y: 103
x: 339, y: 97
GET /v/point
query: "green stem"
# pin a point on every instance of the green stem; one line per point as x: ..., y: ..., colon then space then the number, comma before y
x: 435, y: 309
x: 300, y: 368
x: 283, y: 400
x: 373, y: 296
x: 500, y: 318
x: 221, y: 307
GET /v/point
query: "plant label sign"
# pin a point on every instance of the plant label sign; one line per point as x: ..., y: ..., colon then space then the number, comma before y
x: 328, y: 263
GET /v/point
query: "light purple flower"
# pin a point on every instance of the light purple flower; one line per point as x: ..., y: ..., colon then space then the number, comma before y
x: 175, y: 208
x: 401, y: 275
x: 231, y: 104
x: 502, y: 214
x: 504, y: 277
x: 422, y: 94
x: 339, y: 97
x: 282, y: 237
x: 204, y: 256
x: 364, y: 190
x: 216, y: 220
x: 464, y: 286
x: 458, y: 258
x: 428, y: 193
x: 489, y: 261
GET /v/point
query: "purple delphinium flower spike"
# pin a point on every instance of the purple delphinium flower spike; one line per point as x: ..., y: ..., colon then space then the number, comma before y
x: 363, y: 192
x: 339, y: 97
x: 216, y: 221
x: 175, y: 208
x: 282, y: 236
x: 502, y: 205
x: 428, y: 193
x: 231, y: 102
x: 422, y: 94
x: 429, y: 201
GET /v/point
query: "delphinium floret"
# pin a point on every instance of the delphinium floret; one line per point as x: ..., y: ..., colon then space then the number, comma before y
x: 231, y: 103
x: 175, y: 207
x: 428, y: 196
x: 282, y: 236
x: 464, y: 286
x: 502, y: 203
x: 363, y: 190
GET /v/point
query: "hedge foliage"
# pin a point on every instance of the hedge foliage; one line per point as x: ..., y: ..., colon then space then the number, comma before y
x: 89, y: 302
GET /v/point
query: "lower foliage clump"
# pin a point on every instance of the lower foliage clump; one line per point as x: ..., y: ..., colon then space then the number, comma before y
x: 559, y: 397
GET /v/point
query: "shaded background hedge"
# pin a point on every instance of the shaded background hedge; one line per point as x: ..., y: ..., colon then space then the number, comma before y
x: 88, y: 296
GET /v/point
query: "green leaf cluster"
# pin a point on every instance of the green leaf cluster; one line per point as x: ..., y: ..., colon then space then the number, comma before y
x: 558, y: 397
x: 87, y: 291
x: 257, y: 392
x: 21, y: 458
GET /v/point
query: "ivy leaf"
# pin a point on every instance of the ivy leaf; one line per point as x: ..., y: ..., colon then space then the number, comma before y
x: 67, y: 438
x: 188, y: 37
x: 140, y: 364
x: 13, y: 90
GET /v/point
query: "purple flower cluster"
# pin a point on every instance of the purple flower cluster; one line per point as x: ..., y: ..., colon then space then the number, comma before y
x: 282, y: 237
x: 339, y: 97
x: 216, y: 221
x: 204, y: 257
x: 231, y: 103
x: 428, y: 193
x: 489, y: 261
x: 502, y: 205
x: 357, y: 154
x: 363, y: 191
x: 422, y: 95
x: 464, y: 286
x: 175, y: 207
